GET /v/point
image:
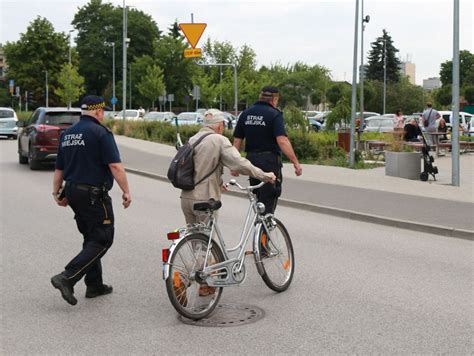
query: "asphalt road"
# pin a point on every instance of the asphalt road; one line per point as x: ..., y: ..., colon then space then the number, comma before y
x: 424, y: 210
x: 358, y: 287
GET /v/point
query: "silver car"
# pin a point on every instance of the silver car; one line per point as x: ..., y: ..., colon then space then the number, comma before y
x: 8, y: 120
x: 190, y: 118
x: 378, y: 124
x: 165, y: 116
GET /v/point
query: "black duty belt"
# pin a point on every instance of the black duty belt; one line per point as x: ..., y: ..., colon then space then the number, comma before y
x: 261, y: 153
x: 85, y: 187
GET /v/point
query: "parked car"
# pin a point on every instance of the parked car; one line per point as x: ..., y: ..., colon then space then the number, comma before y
x: 310, y: 114
x: 8, y: 121
x: 39, y: 138
x: 109, y: 114
x: 129, y: 115
x: 165, y: 116
x: 201, y: 111
x: 322, y: 117
x: 378, y: 124
x: 367, y: 114
x: 231, y: 120
x: 190, y: 118
x: 315, y: 124
x: 465, y: 120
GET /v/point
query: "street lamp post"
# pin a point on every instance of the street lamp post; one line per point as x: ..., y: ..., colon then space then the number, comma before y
x: 47, y: 94
x: 130, y: 87
x: 70, y: 31
x: 384, y: 74
x: 125, y: 42
x: 354, y: 87
x: 235, y: 80
x: 365, y: 19
x: 455, y: 179
x: 113, y: 76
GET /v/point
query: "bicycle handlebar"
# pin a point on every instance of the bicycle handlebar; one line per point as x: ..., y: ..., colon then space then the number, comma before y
x: 249, y: 188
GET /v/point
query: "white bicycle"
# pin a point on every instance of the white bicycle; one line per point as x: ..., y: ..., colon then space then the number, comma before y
x: 196, y: 268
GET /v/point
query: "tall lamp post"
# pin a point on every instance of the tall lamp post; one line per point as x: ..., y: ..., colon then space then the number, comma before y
x: 113, y: 77
x: 384, y: 74
x: 455, y: 179
x: 125, y: 42
x: 46, y: 79
x: 365, y: 19
x: 235, y: 80
x: 70, y: 31
x: 354, y: 87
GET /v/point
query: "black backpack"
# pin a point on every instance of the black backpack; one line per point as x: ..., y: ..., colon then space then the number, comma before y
x: 181, y: 170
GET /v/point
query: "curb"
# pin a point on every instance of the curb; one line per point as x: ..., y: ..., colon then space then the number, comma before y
x: 347, y: 214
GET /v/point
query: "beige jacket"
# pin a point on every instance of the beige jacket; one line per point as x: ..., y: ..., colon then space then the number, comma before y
x: 215, y: 150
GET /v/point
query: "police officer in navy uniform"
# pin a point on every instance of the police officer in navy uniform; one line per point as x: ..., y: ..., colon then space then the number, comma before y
x: 263, y: 128
x: 88, y: 161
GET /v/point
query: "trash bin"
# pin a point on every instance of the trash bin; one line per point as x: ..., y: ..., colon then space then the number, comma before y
x: 344, y: 140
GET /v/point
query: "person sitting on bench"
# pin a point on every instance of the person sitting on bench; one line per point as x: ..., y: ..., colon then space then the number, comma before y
x: 412, y: 131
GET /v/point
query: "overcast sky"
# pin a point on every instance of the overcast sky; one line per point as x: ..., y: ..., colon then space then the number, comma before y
x: 287, y: 31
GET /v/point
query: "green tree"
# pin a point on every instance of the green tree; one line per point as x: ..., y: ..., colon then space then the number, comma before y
x: 178, y: 71
x: 152, y: 85
x: 340, y: 115
x: 38, y: 50
x: 469, y: 94
x: 466, y: 70
x: 338, y: 91
x: 100, y: 24
x: 375, y: 68
x: 443, y: 96
x: 70, y: 84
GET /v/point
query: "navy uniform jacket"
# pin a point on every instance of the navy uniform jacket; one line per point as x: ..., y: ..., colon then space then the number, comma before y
x: 260, y: 125
x: 85, y: 151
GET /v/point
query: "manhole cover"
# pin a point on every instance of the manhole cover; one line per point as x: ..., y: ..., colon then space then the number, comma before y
x: 228, y: 315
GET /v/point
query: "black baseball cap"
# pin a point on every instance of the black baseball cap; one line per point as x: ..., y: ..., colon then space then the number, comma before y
x: 270, y: 91
x: 93, y: 102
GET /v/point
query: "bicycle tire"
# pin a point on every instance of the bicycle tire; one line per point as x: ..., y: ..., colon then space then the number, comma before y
x: 277, y: 258
x: 180, y: 295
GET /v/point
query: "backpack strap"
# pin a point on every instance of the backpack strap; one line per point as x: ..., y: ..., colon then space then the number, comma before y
x: 197, y: 143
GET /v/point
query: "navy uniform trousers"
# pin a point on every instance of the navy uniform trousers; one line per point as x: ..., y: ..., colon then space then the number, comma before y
x: 269, y: 193
x: 95, y: 221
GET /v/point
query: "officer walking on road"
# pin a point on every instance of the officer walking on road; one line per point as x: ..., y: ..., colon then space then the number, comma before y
x: 89, y: 161
x: 263, y: 129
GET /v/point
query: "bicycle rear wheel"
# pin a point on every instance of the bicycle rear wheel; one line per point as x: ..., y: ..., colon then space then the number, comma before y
x: 190, y: 295
x: 276, y: 256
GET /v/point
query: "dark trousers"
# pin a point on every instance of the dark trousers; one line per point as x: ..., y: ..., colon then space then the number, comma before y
x: 95, y: 221
x: 269, y: 193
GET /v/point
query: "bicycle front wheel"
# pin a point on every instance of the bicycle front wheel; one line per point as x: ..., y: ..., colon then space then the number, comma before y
x: 188, y: 293
x: 276, y: 255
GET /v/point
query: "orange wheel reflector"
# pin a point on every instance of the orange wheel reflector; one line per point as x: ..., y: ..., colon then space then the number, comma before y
x: 286, y: 264
x: 176, y: 280
x: 264, y: 239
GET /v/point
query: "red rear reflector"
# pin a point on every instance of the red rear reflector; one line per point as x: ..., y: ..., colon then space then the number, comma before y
x: 174, y: 235
x: 44, y: 128
x: 165, y: 254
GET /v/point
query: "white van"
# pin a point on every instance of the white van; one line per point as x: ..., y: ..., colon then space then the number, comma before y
x: 466, y: 120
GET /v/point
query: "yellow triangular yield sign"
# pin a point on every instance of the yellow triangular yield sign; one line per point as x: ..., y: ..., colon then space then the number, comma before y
x: 193, y: 32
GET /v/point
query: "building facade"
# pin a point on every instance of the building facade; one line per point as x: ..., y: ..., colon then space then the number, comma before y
x: 408, y: 69
x: 431, y: 83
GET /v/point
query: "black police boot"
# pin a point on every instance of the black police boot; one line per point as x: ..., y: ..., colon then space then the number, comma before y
x: 95, y: 291
x: 61, y: 282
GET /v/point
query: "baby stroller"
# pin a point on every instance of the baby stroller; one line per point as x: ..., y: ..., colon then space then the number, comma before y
x: 428, y: 167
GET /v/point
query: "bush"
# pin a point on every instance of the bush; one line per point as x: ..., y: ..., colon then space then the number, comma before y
x: 309, y: 147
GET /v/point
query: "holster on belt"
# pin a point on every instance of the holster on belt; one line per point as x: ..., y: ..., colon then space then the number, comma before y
x: 97, y: 194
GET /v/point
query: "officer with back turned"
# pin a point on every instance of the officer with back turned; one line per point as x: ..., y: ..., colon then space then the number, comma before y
x: 263, y: 129
x: 88, y: 161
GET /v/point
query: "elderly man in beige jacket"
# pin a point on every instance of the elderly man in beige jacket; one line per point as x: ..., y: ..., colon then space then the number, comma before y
x: 211, y: 155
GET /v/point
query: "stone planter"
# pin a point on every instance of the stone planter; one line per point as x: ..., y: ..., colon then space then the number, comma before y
x: 403, y: 164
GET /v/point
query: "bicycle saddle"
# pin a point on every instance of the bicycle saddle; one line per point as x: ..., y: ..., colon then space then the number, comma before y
x: 209, y: 205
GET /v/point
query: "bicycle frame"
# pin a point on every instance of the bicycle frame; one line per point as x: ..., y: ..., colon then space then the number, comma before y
x: 230, y: 267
